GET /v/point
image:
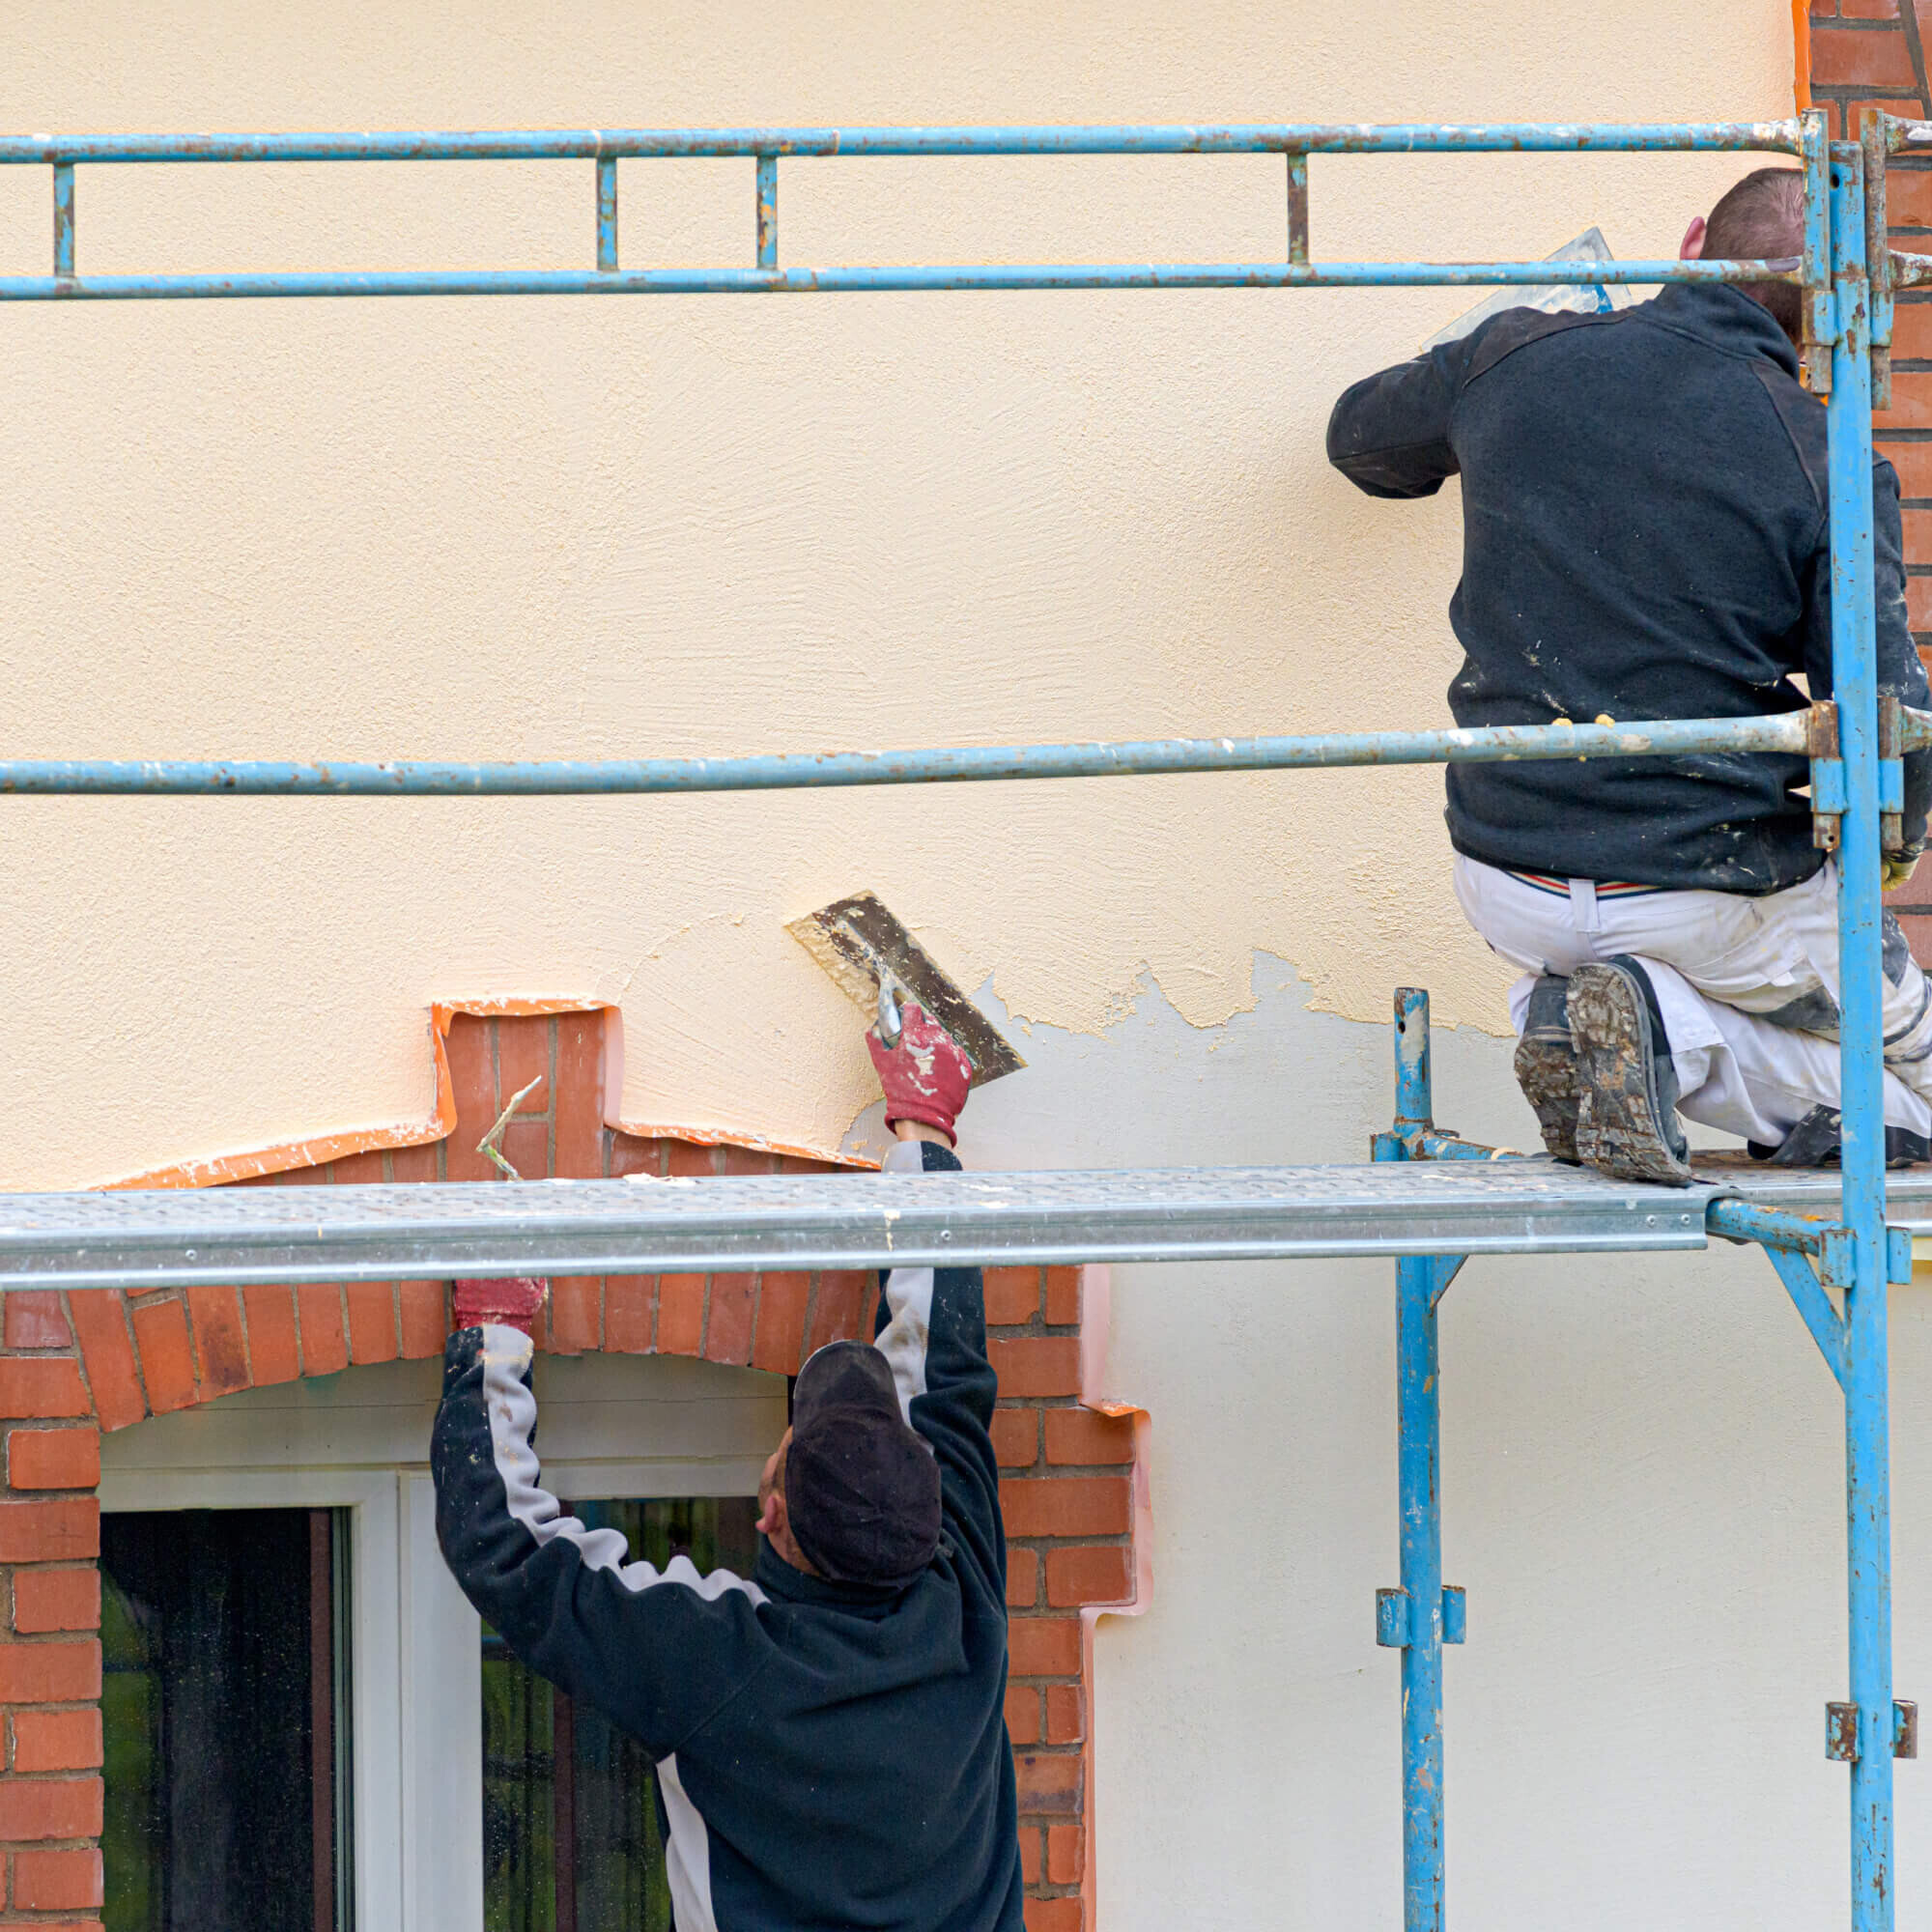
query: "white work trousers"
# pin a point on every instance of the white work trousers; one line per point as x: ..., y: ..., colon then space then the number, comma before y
x: 1748, y: 988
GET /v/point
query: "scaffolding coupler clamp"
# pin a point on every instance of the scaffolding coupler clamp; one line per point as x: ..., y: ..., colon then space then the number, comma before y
x: 1842, y: 1732
x: 1890, y: 773
x: 1828, y: 775
x: 1392, y: 1626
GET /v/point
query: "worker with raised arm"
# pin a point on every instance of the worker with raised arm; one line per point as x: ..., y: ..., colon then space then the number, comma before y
x: 1646, y: 535
x: 829, y: 1732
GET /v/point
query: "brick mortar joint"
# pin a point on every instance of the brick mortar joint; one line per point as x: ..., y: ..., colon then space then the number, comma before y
x: 242, y: 1329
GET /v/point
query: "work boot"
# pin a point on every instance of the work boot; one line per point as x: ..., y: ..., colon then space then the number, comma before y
x: 1627, y: 1111
x: 1545, y: 1064
x: 1817, y: 1141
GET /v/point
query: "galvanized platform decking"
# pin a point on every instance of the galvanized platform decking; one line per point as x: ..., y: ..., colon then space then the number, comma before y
x: 160, y: 1238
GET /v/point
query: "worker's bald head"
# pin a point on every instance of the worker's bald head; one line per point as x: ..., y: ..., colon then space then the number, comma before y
x: 1761, y: 220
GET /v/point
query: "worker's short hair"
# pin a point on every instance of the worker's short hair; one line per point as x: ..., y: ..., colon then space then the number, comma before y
x: 1762, y: 220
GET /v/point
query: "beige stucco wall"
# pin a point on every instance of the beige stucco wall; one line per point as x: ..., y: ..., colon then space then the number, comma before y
x: 519, y: 528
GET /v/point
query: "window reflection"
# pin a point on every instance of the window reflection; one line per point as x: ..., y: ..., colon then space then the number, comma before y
x: 223, y: 1704
x: 556, y: 1774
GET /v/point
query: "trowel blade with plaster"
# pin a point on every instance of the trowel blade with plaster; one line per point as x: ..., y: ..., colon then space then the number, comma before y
x: 860, y: 944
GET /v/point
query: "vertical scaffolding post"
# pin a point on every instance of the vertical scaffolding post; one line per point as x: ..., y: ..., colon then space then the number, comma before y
x: 1855, y: 681
x: 1420, y: 1616
x: 1819, y: 327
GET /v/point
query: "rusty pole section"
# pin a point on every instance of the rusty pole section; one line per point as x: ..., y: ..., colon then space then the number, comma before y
x: 1297, y: 210
x: 768, y: 211
x: 64, y: 220
x: 607, y: 213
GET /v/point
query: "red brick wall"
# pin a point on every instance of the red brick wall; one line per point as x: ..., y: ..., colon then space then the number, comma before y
x: 1872, y: 52
x: 72, y: 1365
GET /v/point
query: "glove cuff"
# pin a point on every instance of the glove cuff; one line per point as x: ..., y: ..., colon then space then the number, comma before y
x: 929, y: 1115
x: 513, y: 1301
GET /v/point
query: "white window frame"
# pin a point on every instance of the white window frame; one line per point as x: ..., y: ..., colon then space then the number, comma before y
x: 416, y: 1687
x: 376, y: 1680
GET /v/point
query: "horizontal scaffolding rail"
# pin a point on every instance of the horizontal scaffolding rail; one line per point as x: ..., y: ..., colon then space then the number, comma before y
x: 766, y: 146
x: 582, y: 144
x: 792, y: 770
x: 873, y: 281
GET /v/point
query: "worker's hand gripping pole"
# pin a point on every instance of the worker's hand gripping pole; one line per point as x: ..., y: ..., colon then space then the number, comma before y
x: 1855, y: 683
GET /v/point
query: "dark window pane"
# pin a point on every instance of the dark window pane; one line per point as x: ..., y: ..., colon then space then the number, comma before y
x: 557, y: 1774
x: 225, y: 1675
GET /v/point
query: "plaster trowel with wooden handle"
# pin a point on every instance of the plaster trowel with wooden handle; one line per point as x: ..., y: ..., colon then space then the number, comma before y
x: 877, y: 963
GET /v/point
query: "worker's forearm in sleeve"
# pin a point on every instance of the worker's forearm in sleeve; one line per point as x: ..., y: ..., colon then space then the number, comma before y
x: 659, y: 1651
x: 1389, y: 434
x: 931, y: 1327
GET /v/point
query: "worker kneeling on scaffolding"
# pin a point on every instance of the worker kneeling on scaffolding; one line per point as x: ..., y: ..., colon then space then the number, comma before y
x: 1646, y: 536
x: 829, y: 1732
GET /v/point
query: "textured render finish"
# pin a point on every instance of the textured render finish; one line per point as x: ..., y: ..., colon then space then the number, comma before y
x: 710, y: 524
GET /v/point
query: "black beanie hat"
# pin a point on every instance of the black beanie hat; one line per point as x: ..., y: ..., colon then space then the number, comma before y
x: 861, y: 1488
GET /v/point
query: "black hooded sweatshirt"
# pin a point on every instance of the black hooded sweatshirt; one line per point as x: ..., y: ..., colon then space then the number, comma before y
x: 1645, y: 534
x: 831, y: 1757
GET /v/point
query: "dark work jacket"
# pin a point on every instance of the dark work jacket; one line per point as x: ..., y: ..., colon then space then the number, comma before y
x: 831, y: 1757
x: 1645, y: 534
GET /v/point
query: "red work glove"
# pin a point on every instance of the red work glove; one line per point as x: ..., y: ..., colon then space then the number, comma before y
x: 926, y: 1076
x: 512, y: 1304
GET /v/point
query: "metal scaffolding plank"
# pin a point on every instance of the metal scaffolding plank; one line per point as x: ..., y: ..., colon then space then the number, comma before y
x: 156, y: 1239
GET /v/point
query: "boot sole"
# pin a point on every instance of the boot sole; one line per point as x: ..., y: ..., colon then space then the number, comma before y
x: 1547, y: 1072
x: 1618, y: 1128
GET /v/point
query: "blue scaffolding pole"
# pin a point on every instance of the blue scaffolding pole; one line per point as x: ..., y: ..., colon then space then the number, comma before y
x: 1847, y: 276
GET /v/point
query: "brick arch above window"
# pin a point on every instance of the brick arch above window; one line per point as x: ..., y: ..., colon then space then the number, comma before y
x: 1074, y: 1462
x: 150, y: 1354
